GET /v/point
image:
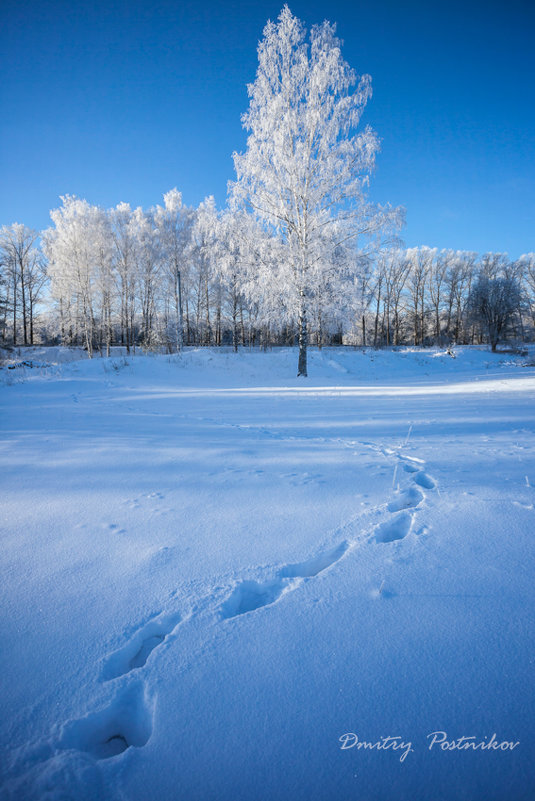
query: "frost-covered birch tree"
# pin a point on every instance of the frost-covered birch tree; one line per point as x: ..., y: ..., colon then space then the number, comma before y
x: 123, y: 235
x: 204, y: 252
x: 147, y: 267
x: 306, y: 169
x: 74, y: 249
x: 236, y: 234
x: 174, y: 222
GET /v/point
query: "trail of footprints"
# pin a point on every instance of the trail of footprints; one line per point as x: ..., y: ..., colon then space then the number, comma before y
x: 250, y: 595
x: 127, y: 721
x: 409, y: 499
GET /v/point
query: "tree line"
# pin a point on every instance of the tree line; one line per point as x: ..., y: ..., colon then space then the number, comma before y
x: 174, y: 276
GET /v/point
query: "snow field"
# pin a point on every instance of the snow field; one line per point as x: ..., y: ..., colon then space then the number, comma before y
x: 220, y: 569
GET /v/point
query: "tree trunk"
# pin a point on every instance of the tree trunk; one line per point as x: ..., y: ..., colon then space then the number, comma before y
x: 235, y: 322
x: 14, y: 307
x: 30, y: 303
x: 242, y: 326
x: 218, y: 335
x: 180, y: 321
x: 302, y: 325
x: 376, y: 322
x: 23, y: 298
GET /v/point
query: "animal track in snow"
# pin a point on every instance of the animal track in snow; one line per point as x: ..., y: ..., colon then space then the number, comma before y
x: 424, y: 480
x: 395, y: 529
x: 126, y: 722
x: 300, y: 479
x: 408, y: 499
x: 135, y: 653
x: 114, y: 528
x: 250, y: 595
x: 315, y: 565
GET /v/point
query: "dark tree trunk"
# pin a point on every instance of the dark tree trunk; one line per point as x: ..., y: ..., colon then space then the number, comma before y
x: 302, y: 324
x: 14, y: 308
x: 180, y: 320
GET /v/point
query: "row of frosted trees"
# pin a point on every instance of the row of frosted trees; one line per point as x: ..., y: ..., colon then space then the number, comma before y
x: 426, y: 296
x: 165, y: 277
x: 174, y: 276
x: 22, y: 283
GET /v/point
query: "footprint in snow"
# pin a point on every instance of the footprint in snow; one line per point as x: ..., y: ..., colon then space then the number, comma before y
x: 126, y: 722
x: 250, y: 595
x: 301, y: 479
x: 406, y: 500
x: 395, y: 529
x: 137, y: 650
x: 114, y: 528
x: 424, y: 480
x: 312, y: 567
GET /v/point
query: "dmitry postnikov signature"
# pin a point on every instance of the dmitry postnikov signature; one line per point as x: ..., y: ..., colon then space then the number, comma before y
x: 437, y: 741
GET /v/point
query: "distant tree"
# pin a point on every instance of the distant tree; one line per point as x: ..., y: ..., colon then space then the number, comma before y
x: 173, y: 223
x: 125, y: 269
x: 457, y: 282
x: 238, y: 239
x: 526, y: 267
x: 148, y: 271
x: 437, y: 285
x: 492, y: 303
x: 74, y: 247
x: 421, y: 265
x: 393, y: 268
x: 306, y: 170
x: 36, y: 280
x: 20, y: 260
x: 203, y: 252
x: 4, y: 298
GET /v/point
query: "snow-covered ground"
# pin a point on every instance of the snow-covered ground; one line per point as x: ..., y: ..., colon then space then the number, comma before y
x: 222, y: 582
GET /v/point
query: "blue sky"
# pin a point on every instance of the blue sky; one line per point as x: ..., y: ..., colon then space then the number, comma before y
x: 124, y: 100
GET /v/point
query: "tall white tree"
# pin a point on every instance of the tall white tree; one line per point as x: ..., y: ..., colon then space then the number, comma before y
x: 204, y: 251
x: 526, y: 265
x: 124, y: 262
x: 241, y: 248
x: 74, y: 248
x: 147, y: 268
x: 421, y: 263
x: 174, y: 222
x: 457, y: 288
x: 306, y: 168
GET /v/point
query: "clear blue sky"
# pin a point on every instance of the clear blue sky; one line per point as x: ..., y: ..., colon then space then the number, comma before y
x: 117, y: 101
